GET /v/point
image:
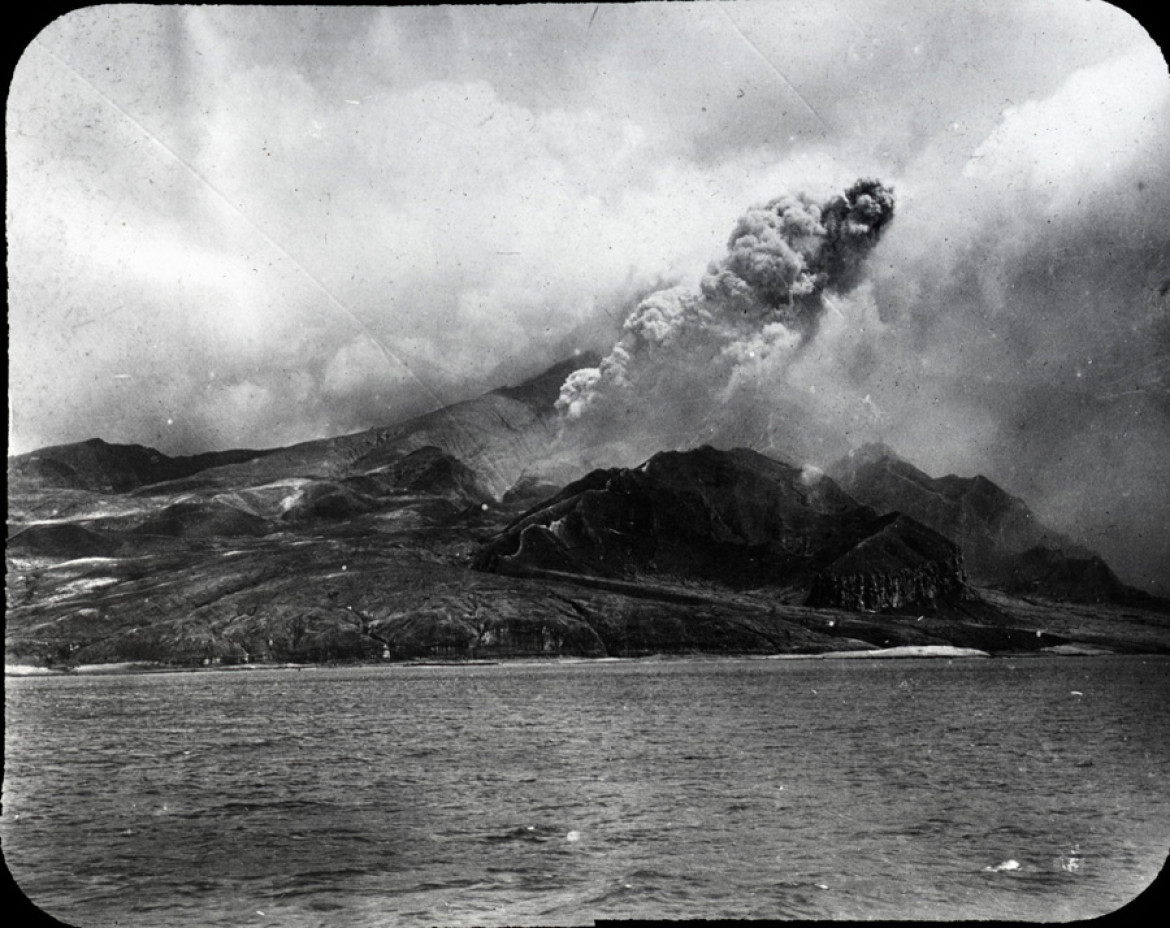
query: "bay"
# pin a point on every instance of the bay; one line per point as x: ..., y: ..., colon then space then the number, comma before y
x: 564, y: 792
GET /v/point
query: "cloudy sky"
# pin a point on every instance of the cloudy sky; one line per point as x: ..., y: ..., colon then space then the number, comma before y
x: 249, y: 226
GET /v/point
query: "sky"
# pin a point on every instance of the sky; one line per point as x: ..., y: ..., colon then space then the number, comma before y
x: 251, y: 226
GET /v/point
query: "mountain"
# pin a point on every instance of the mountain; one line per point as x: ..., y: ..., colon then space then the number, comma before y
x: 100, y: 466
x: 361, y: 548
x: 985, y: 520
x: 1060, y: 575
x: 1003, y: 542
x: 732, y: 518
x: 497, y: 435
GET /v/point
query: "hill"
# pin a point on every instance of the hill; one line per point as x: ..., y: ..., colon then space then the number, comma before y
x: 102, y: 467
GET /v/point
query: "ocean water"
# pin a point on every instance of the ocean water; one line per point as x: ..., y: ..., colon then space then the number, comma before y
x: 561, y: 793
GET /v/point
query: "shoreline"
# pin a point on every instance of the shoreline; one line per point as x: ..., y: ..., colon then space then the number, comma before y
x: 906, y: 652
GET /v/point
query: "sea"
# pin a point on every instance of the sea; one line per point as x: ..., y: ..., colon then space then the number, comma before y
x: 568, y: 792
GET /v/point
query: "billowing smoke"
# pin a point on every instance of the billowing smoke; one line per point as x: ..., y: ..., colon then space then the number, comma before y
x: 682, y: 350
x: 781, y: 256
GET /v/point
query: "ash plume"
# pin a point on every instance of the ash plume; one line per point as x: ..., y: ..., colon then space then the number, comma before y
x: 680, y: 349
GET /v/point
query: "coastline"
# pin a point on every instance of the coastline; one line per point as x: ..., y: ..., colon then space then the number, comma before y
x: 905, y: 652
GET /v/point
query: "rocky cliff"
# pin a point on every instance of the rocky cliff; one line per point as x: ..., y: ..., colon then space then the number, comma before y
x: 903, y: 565
x: 736, y: 519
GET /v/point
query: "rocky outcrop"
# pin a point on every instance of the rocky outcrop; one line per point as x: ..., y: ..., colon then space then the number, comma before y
x: 530, y: 490
x: 902, y: 566
x: 735, y: 519
x: 433, y: 472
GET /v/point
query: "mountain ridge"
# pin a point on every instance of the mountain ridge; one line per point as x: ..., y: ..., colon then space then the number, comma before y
x: 95, y: 464
x: 1004, y: 543
x: 498, y: 432
x: 361, y: 548
x: 738, y: 518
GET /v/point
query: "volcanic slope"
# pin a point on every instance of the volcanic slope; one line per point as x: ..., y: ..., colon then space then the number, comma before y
x: 498, y: 435
x: 1003, y: 542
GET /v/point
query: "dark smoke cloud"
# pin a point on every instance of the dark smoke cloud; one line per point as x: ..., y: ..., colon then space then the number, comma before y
x: 1013, y: 323
x: 782, y: 255
x: 766, y: 295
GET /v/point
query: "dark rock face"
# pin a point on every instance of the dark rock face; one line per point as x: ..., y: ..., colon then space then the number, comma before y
x: 733, y: 518
x: 432, y: 471
x: 901, y: 566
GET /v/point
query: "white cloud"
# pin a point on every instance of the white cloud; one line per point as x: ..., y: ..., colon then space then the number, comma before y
x: 360, y: 365
x: 1091, y: 130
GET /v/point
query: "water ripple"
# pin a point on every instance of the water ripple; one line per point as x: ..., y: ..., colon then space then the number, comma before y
x: 545, y: 794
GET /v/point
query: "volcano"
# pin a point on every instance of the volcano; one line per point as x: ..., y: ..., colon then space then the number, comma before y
x: 445, y: 536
